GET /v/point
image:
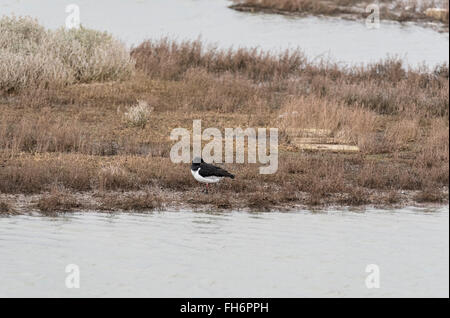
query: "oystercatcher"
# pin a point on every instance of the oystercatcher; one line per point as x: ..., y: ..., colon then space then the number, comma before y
x: 206, y: 173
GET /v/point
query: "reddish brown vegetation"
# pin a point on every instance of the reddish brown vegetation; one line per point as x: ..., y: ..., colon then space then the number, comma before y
x: 6, y: 208
x: 57, y: 201
x: 76, y: 137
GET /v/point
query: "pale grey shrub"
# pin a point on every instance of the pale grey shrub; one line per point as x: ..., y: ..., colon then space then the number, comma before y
x: 139, y: 114
x: 21, y: 70
x: 92, y: 55
x: 31, y: 56
x: 21, y: 35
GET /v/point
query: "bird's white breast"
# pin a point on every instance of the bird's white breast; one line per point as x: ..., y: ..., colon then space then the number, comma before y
x: 199, y: 178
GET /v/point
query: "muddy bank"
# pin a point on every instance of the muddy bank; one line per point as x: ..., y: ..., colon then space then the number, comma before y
x: 426, y: 14
x: 60, y: 202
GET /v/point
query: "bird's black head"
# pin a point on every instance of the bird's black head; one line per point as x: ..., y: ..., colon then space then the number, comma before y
x: 196, y: 163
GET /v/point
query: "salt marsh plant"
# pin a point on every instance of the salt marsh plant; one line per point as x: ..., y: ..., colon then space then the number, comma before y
x: 139, y: 114
x: 32, y: 56
x: 92, y: 55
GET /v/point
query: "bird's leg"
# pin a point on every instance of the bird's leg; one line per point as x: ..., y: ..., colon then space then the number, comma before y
x: 207, y: 188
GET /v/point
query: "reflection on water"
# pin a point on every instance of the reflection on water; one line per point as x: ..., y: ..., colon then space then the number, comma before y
x: 343, y: 41
x: 227, y: 254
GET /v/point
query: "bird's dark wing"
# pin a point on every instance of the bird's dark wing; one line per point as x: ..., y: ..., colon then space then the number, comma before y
x: 207, y: 170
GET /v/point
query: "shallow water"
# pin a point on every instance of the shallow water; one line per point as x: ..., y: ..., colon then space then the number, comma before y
x: 349, y: 42
x: 228, y: 254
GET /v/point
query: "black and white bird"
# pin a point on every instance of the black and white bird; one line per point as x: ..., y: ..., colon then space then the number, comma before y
x: 206, y: 173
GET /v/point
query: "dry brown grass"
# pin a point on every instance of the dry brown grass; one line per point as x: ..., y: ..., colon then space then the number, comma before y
x: 392, y: 198
x: 311, y: 179
x: 355, y: 197
x: 131, y: 202
x: 350, y: 124
x: 76, y: 137
x: 57, y: 201
x: 170, y: 60
x: 220, y: 80
x: 6, y: 208
x: 430, y: 196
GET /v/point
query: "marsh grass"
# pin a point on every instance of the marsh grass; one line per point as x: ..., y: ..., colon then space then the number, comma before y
x: 147, y: 201
x: 170, y: 60
x: 430, y: 195
x: 58, y: 200
x: 350, y: 124
x: 6, y: 208
x: 75, y: 136
x: 225, y: 80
